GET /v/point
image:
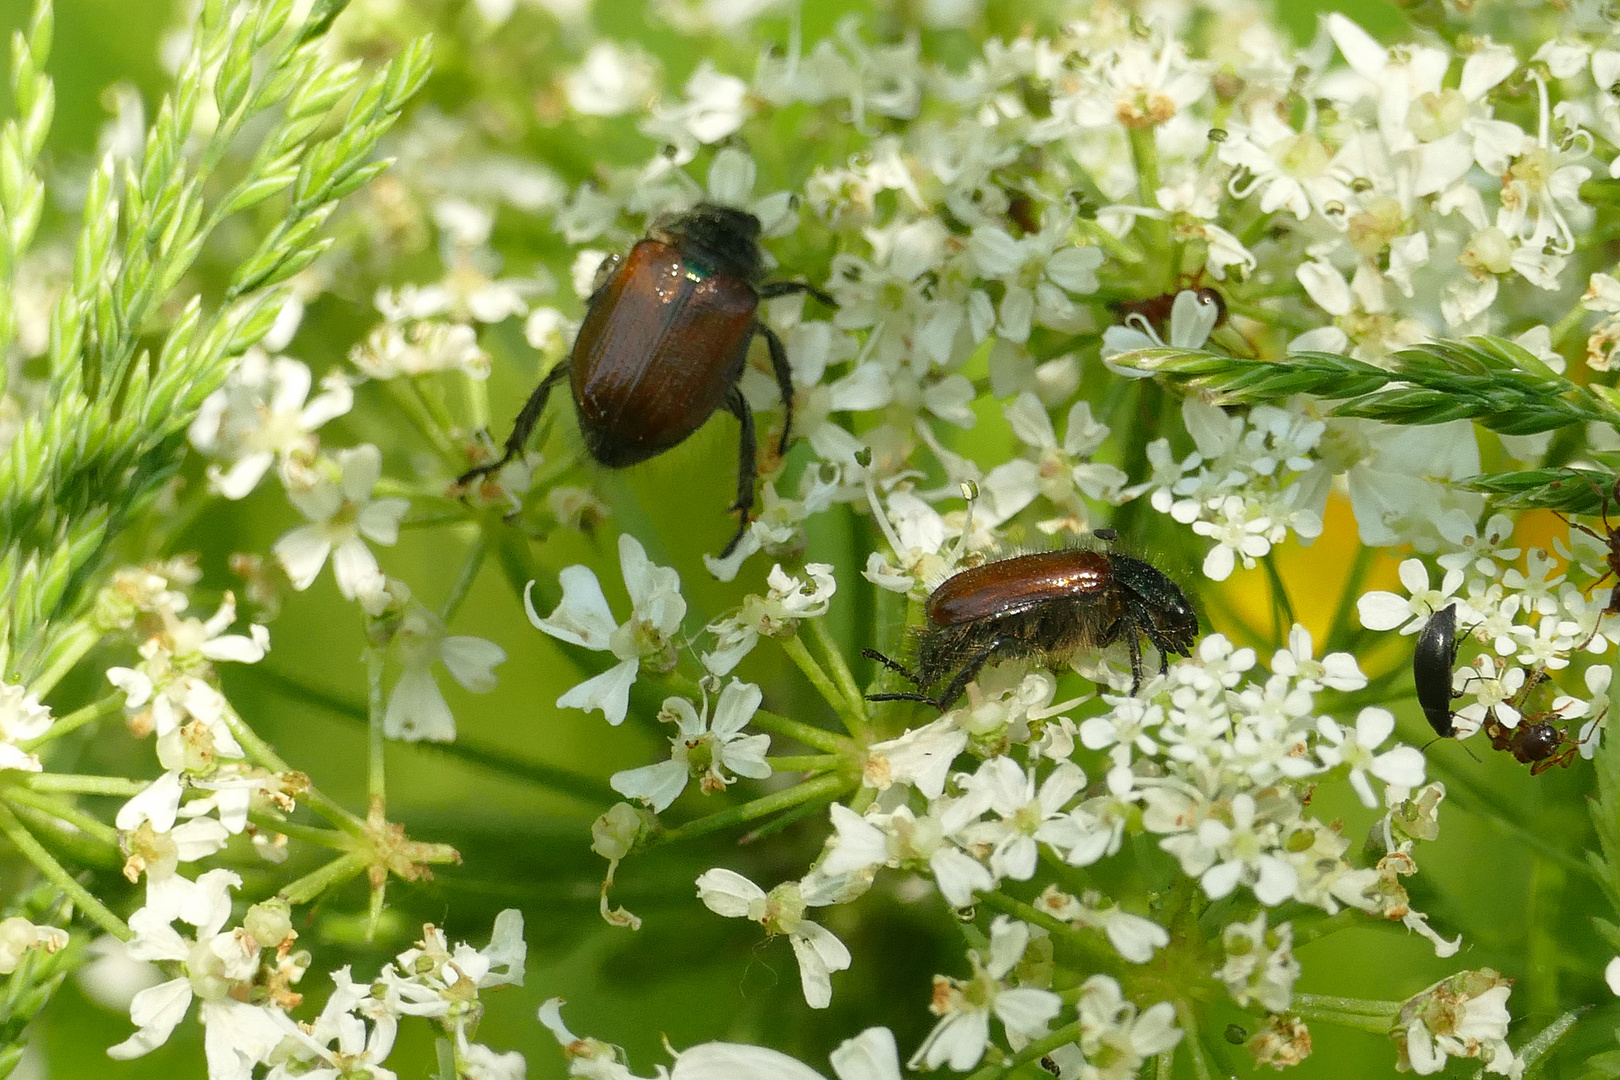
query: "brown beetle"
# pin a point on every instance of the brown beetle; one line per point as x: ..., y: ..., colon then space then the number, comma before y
x: 1535, y: 741
x: 663, y: 343
x: 1051, y: 604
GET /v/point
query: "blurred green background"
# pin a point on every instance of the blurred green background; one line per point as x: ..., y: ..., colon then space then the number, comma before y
x: 518, y: 793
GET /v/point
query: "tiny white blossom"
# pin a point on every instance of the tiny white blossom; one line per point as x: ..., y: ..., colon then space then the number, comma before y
x: 965, y: 1006
x: 342, y: 516
x: 701, y: 748
x: 582, y: 617
x: 22, y: 718
x: 1401, y: 766
x: 782, y: 911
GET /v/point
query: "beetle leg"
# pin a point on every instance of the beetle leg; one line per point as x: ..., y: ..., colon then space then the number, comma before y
x: 784, y: 380
x: 772, y: 289
x: 1133, y: 641
x: 737, y: 405
x: 523, y: 426
x: 892, y: 665
x: 969, y: 672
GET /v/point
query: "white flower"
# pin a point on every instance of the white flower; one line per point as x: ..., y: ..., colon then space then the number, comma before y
x: 1465, y: 1015
x: 218, y: 965
x: 1337, y: 671
x: 339, y: 1039
x: 261, y: 414
x: 1260, y: 964
x: 416, y: 708
x: 1221, y: 855
x: 18, y: 935
x: 587, y: 1057
x: 1192, y: 320
x: 1493, y: 689
x: 1386, y: 610
x: 782, y: 911
x: 582, y: 617
x: 921, y: 757
x: 610, y: 81
x: 433, y: 980
x: 1402, y: 766
x: 702, y: 749
x: 1027, y: 817
x: 1611, y: 975
x: 965, y: 1006
x: 871, y: 1055
x: 22, y: 718
x: 1115, y: 1040
x: 776, y: 614
x: 716, y: 105
x: 341, y: 514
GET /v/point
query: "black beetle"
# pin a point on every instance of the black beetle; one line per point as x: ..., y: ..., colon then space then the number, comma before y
x: 1432, y: 661
x: 1051, y: 604
x: 663, y: 343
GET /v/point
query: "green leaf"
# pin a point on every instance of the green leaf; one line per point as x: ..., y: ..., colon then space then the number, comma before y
x: 1570, y: 491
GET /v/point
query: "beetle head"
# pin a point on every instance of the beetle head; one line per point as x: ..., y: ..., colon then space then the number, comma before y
x: 1162, y: 609
x: 722, y: 238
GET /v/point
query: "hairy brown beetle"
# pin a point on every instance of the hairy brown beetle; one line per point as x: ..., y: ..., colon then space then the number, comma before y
x: 663, y: 343
x: 1051, y: 604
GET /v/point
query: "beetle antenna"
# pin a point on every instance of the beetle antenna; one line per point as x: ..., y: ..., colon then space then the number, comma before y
x: 1442, y: 738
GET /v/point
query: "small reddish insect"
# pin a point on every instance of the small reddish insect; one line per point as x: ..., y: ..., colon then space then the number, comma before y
x: 663, y: 343
x: 1536, y: 741
x: 1049, y: 604
x: 1610, y: 537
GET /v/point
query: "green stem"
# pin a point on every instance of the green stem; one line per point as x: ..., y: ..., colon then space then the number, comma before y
x: 1189, y: 1025
x: 812, y: 736
x: 1568, y: 323
x: 1145, y: 155
x: 376, y: 740
x: 261, y: 752
x: 69, y: 651
x: 77, y: 719
x: 464, y: 583
x: 1093, y: 949
x: 57, y: 875
x: 841, y: 674
x: 1339, y: 628
x: 433, y: 402
x: 309, y: 834
x: 1280, y: 601
x: 409, y: 400
x: 78, y: 784
x: 1362, y: 1014
x: 821, y: 787
x: 63, y: 810
x: 317, y: 881
x: 805, y: 762
x: 795, y: 648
